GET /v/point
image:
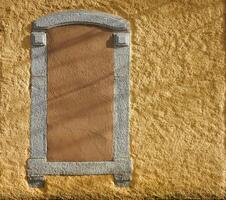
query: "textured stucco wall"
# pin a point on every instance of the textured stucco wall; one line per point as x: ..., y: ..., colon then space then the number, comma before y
x: 177, y: 100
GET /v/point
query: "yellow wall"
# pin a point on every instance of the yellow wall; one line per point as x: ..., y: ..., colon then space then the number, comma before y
x: 177, y: 100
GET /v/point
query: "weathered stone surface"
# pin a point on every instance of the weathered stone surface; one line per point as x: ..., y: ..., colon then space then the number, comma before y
x: 177, y: 121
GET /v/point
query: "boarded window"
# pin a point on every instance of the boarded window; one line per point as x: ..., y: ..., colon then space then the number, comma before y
x: 80, y: 96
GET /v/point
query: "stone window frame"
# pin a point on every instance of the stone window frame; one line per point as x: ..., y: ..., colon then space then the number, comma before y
x: 38, y: 166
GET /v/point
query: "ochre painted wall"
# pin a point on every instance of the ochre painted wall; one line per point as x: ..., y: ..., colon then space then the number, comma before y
x: 177, y: 100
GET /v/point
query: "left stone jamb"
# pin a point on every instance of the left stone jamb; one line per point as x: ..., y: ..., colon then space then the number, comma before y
x: 38, y: 95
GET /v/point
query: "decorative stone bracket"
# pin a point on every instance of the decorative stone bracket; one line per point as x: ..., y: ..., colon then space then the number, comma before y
x: 38, y: 39
x: 121, y: 39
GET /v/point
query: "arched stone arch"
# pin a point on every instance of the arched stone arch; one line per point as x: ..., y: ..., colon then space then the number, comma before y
x: 81, y: 17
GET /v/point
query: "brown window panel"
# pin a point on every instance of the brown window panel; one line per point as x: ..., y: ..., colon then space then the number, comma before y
x: 80, y: 93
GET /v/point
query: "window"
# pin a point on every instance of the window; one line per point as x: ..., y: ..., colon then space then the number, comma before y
x: 80, y: 96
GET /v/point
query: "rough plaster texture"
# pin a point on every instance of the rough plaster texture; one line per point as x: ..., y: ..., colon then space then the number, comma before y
x: 177, y: 100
